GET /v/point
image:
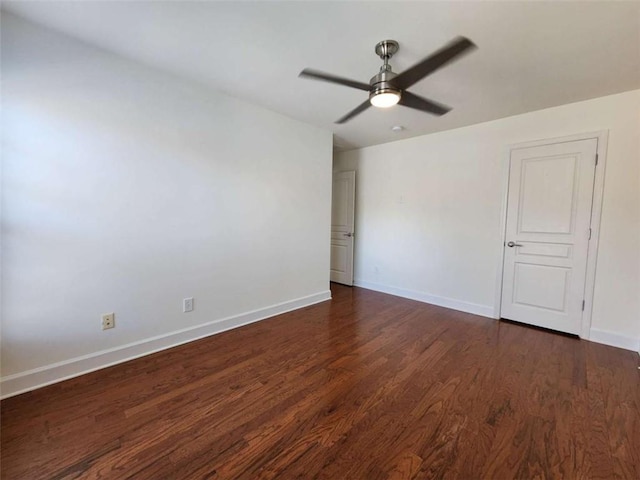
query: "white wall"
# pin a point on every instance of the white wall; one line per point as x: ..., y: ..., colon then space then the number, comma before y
x: 429, y: 211
x: 125, y: 190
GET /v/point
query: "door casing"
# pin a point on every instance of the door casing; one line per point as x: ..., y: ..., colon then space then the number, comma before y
x: 602, y: 137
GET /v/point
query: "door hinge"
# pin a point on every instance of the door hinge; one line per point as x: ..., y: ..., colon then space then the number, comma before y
x: 583, y: 305
x: 589, y: 233
x: 596, y: 159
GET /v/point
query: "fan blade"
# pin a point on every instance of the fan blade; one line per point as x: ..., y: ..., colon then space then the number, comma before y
x: 359, y: 109
x: 419, y: 103
x: 434, y: 61
x: 327, y: 77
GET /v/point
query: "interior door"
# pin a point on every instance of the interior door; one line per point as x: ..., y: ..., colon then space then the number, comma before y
x: 547, y: 234
x: 342, y: 223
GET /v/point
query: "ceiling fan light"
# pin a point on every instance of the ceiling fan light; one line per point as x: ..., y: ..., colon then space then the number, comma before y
x: 385, y: 99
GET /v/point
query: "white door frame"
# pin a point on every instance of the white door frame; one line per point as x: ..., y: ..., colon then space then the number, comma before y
x: 602, y: 137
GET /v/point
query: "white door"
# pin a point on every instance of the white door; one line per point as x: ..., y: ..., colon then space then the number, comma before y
x: 342, y: 220
x: 547, y: 234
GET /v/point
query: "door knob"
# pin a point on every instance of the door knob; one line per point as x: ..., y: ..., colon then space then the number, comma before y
x: 513, y: 244
x: 348, y: 234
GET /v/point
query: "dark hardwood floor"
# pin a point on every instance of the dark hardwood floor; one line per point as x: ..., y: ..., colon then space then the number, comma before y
x: 366, y: 386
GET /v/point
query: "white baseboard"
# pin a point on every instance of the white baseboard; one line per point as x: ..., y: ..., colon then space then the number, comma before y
x: 475, y: 308
x: 39, y: 377
x: 614, y: 339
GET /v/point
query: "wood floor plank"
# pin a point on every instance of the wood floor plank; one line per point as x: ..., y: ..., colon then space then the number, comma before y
x: 366, y: 386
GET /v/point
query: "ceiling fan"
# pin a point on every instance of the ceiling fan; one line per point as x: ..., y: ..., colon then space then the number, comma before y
x: 388, y: 88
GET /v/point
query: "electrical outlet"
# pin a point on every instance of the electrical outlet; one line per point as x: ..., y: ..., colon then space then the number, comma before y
x: 108, y: 321
x: 187, y: 305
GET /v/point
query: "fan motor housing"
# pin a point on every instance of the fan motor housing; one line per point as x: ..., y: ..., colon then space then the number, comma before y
x: 381, y: 83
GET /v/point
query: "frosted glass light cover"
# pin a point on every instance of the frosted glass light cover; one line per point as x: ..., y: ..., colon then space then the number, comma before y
x: 385, y: 100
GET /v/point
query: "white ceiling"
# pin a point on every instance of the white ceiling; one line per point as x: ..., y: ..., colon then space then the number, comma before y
x: 531, y: 55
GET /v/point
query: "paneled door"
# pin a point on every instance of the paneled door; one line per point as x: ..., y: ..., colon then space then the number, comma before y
x: 342, y: 224
x: 547, y: 234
